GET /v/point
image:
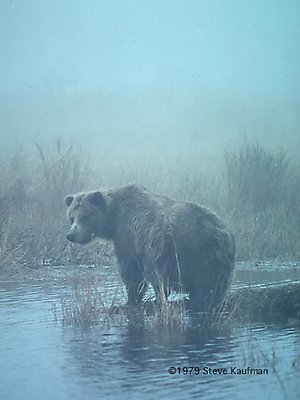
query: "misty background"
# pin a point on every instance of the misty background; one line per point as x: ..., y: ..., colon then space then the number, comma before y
x: 167, y: 76
x: 198, y: 100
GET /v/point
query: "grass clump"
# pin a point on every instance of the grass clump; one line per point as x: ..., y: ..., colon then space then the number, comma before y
x: 87, y: 303
x: 90, y: 301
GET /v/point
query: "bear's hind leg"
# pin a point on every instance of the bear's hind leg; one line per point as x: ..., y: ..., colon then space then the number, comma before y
x: 161, y: 290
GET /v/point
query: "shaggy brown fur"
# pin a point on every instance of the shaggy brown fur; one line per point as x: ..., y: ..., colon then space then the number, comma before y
x: 172, y: 245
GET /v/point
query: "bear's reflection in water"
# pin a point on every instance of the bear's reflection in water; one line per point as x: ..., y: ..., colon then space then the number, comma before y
x: 146, y: 352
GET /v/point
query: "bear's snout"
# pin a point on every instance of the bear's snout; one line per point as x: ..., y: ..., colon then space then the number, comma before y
x: 79, y: 235
x: 71, y: 237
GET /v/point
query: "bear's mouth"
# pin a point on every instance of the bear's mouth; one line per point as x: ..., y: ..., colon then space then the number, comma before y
x: 80, y: 239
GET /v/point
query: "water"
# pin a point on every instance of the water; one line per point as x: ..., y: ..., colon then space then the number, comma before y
x: 43, y: 359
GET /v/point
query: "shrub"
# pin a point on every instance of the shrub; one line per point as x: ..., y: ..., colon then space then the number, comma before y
x: 256, y: 178
x: 261, y: 203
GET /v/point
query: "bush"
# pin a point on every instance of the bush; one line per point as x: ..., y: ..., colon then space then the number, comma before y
x: 261, y: 203
x: 256, y: 179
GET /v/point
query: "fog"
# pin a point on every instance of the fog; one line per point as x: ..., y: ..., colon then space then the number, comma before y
x: 197, y: 100
x: 144, y: 77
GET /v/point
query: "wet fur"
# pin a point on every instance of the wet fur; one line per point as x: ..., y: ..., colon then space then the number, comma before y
x: 172, y: 245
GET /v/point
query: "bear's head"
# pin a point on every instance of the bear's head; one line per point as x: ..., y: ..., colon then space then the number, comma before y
x: 87, y: 213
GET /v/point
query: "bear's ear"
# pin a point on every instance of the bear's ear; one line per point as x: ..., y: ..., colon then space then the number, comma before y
x: 97, y: 199
x: 69, y: 199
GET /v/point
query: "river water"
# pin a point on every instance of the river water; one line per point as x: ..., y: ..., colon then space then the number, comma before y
x: 43, y: 358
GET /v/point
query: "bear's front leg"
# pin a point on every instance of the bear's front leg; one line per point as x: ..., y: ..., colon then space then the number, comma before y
x: 135, y: 283
x: 135, y: 292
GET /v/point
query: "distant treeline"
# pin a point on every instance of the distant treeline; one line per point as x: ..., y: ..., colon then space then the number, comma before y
x: 257, y: 191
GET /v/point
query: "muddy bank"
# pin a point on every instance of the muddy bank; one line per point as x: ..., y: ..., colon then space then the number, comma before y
x: 279, y: 301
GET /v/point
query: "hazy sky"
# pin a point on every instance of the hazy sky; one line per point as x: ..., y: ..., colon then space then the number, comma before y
x: 98, y: 70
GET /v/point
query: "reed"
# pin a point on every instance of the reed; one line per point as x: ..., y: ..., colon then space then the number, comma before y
x: 86, y: 303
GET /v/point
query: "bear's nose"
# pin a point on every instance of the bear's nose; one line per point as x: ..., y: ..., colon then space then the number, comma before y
x: 71, y: 236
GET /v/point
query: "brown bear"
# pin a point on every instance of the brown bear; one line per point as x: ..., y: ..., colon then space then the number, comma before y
x: 173, y: 245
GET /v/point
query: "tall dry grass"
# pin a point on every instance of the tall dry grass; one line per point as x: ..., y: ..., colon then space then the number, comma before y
x: 263, y: 193
x: 86, y: 304
x: 257, y: 191
x: 32, y: 211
